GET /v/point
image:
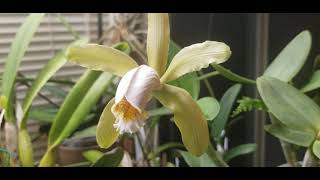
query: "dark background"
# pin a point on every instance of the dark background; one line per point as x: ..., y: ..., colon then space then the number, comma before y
x: 255, y: 39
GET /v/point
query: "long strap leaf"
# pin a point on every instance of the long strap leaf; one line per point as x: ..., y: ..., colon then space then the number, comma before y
x: 82, y: 97
x: 17, y: 51
x: 25, y: 145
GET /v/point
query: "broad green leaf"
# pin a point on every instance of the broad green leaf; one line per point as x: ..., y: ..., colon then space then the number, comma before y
x: 316, y: 63
x: 3, y: 102
x: 191, y: 160
x: 55, y: 90
x: 83, y: 108
x: 71, y: 103
x: 226, y: 104
x: 43, y: 115
x: 92, y: 155
x: 206, y: 161
x: 230, y: 75
x: 44, y: 75
x: 316, y: 148
x: 209, y: 106
x: 76, y: 97
x: 313, y: 84
x: 164, y: 147
x: 239, y: 150
x: 123, y: 47
x: 5, y: 157
x: 289, y: 105
x: 195, y: 57
x: 17, y: 51
x: 189, y: 81
x: 82, y: 97
x: 87, y: 132
x: 187, y: 116
x: 293, y: 136
x: 291, y: 59
x: 110, y: 160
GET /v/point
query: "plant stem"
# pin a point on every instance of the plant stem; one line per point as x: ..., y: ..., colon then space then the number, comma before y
x: 289, y: 154
x: 216, y: 157
x: 287, y: 148
x: 40, y: 94
x: 26, y: 79
x: 143, y: 150
x: 206, y: 82
x: 309, y: 160
x: 208, y: 75
x: 159, y: 112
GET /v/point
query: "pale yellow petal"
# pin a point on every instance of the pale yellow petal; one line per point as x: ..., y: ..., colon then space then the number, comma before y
x: 158, y: 41
x: 187, y: 116
x: 196, y: 57
x: 106, y: 133
x: 101, y: 58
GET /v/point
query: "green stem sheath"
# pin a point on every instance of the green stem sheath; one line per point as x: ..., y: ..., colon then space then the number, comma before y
x: 208, y: 75
x: 216, y: 157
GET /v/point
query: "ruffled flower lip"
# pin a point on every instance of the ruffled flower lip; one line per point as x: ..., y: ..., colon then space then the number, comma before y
x: 128, y: 118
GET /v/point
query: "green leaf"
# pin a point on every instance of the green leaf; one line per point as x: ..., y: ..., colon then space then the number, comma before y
x: 87, y: 132
x: 17, y: 51
x: 239, y: 150
x: 3, y: 102
x: 206, y: 161
x: 248, y: 104
x: 43, y: 115
x: 55, y: 90
x: 5, y: 157
x: 164, y: 147
x: 316, y: 148
x: 25, y: 148
x: 110, y: 160
x: 230, y: 75
x: 83, y: 108
x: 289, y: 105
x: 291, y: 59
x: 77, y: 105
x: 92, y: 155
x: 313, y: 84
x: 82, y: 97
x: 123, y: 46
x: 44, y: 75
x: 292, y: 136
x: 191, y: 160
x: 226, y: 104
x: 189, y: 81
x: 209, y: 106
x: 316, y: 63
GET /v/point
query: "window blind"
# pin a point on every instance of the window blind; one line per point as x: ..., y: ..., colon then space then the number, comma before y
x: 51, y: 37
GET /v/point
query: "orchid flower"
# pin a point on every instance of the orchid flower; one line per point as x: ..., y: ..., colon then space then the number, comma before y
x: 126, y: 112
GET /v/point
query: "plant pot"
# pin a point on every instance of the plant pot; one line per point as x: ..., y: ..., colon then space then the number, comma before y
x: 71, y: 150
